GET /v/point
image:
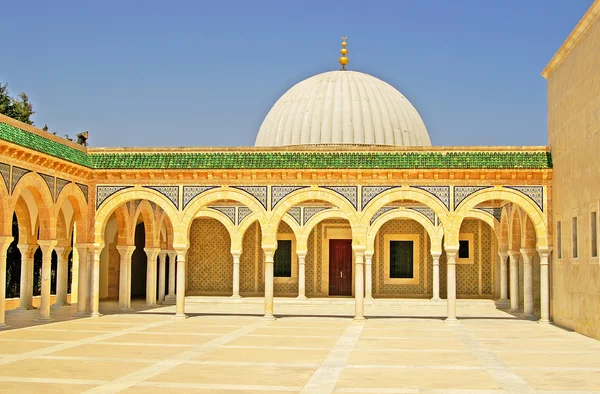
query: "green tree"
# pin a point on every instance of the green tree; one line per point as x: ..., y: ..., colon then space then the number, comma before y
x: 18, y: 108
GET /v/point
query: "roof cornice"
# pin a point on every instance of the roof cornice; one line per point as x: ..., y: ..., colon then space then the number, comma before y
x: 584, y: 24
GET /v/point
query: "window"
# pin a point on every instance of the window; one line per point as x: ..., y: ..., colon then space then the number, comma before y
x: 575, y: 245
x: 282, y: 267
x: 594, y: 233
x: 401, y: 259
x: 466, y: 245
x: 559, y: 239
x: 463, y: 250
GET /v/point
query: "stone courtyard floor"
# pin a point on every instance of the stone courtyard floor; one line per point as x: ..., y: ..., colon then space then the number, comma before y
x: 147, y: 351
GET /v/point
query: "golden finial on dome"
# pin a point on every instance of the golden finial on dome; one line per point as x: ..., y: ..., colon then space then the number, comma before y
x: 344, y: 60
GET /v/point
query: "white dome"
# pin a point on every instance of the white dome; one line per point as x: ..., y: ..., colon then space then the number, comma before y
x: 343, y: 107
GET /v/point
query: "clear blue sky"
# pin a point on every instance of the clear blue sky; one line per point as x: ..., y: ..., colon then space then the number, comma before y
x: 205, y: 73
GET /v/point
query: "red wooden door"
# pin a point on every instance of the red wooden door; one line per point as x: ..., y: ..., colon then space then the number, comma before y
x: 340, y: 267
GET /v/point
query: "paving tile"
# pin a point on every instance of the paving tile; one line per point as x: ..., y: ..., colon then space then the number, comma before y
x: 105, y: 350
x: 18, y: 347
x: 410, y: 358
x: 46, y: 388
x: 149, y: 338
x: 441, y: 344
x: 516, y: 359
x: 296, y: 356
x: 187, y: 390
x: 283, y: 341
x: 570, y: 381
x: 71, y: 335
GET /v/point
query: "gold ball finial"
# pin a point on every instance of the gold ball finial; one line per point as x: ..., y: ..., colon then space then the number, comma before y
x: 343, y: 60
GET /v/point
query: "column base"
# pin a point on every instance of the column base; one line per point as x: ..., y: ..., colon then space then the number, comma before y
x: 303, y: 297
x: 370, y: 298
x: 236, y: 296
x: 26, y: 308
x: 359, y: 319
x: 96, y: 314
x: 544, y: 321
x: 170, y: 297
x: 43, y: 319
x: 82, y: 314
x: 436, y: 299
x: 126, y: 310
x: 150, y: 305
x: 451, y: 321
x: 265, y: 317
x: 511, y: 310
x: 57, y: 305
x: 181, y: 316
x: 503, y: 299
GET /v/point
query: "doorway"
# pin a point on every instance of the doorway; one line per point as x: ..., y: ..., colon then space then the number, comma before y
x: 340, y: 267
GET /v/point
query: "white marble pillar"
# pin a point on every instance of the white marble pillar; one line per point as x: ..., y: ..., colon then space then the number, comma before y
x: 47, y: 246
x: 162, y: 268
x: 152, y: 254
x: 514, y: 280
x: 4, y: 244
x: 236, y: 273
x: 171, y: 291
x: 544, y: 285
x: 180, y: 295
x: 436, y: 275
x: 96, y: 252
x: 451, y: 252
x: 125, y: 253
x: 369, y: 275
x: 359, y: 285
x: 503, y: 275
x: 269, y: 255
x: 26, y: 286
x: 62, y: 275
x: 527, y: 255
x: 83, y: 288
x: 301, y: 274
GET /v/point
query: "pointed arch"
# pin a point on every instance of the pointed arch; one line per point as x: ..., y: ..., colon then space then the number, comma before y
x: 35, y: 185
x: 74, y: 196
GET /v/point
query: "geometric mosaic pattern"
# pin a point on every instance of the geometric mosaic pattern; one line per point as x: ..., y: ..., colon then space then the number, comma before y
x: 171, y: 192
x: 243, y: 212
x: 104, y: 192
x: 370, y: 192
x: 427, y: 212
x: 191, y: 192
x: 84, y: 190
x: 50, y: 182
x: 495, y: 212
x: 442, y: 193
x: 349, y: 192
x: 279, y: 192
x: 227, y: 211
x: 380, y: 212
x: 296, y: 213
x: 60, y: 184
x: 258, y: 192
x: 462, y: 192
x: 309, y: 212
x: 535, y: 193
x: 17, y: 174
x: 5, y: 173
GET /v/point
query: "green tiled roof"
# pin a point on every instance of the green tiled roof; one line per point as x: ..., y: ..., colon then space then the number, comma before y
x: 279, y: 160
x: 44, y: 145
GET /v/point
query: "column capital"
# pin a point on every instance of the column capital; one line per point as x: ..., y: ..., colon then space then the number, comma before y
x: 47, y: 245
x: 369, y: 254
x: 180, y: 248
x: 236, y: 253
x: 359, y: 249
x: 503, y: 254
x: 451, y: 250
x: 152, y: 253
x: 27, y: 250
x: 125, y: 250
x: 436, y: 254
x: 544, y: 251
x: 60, y: 250
x: 83, y: 245
x: 162, y: 254
x: 514, y: 254
x: 528, y: 253
x: 5, y: 243
x: 301, y: 254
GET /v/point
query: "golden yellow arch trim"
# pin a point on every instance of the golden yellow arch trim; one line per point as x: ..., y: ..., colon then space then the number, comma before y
x: 26, y: 233
x: 406, y: 193
x: 74, y: 195
x: 435, y: 232
x: 148, y: 216
x: 38, y: 188
x: 121, y: 197
x: 500, y: 193
x: 5, y: 215
x: 487, y: 218
x: 304, y: 233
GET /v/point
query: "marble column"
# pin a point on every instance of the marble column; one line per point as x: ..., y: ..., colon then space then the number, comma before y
x: 180, y: 295
x: 26, y: 287
x: 369, y: 275
x: 359, y: 285
x: 4, y: 244
x: 162, y: 268
x: 47, y: 246
x: 544, y: 285
x: 503, y: 275
x: 171, y: 291
x: 96, y: 252
x: 527, y: 255
x: 236, y: 273
x: 451, y: 252
x: 83, y: 288
x: 301, y: 274
x: 269, y: 255
x: 436, y: 275
x: 152, y: 254
x: 514, y: 280
x: 62, y: 275
x: 125, y: 253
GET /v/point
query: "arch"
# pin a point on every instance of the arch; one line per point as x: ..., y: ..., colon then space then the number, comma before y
x: 333, y: 213
x: 38, y: 188
x: 500, y: 193
x: 144, y: 212
x: 435, y: 232
x: 164, y: 223
x: 487, y: 218
x: 72, y: 194
x: 514, y: 230
x: 118, y: 199
x: 503, y: 234
x: 219, y: 216
x: 296, y: 228
x: 406, y: 193
x: 26, y: 227
x: 5, y: 213
x: 527, y: 233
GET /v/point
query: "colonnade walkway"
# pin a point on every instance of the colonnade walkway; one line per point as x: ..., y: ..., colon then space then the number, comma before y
x: 148, y: 351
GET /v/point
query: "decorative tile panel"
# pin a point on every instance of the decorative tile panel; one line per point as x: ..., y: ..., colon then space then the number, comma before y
x: 535, y: 193
x: 258, y: 192
x: 84, y: 189
x: 427, y: 212
x: 380, y: 212
x: 296, y: 213
x: 227, y: 211
x: 5, y: 173
x: 370, y: 192
x: 60, y: 184
x: 442, y: 193
x: 495, y: 212
x: 191, y: 192
x: 103, y: 192
x: 309, y: 212
x: 50, y: 182
x: 350, y: 193
x: 243, y: 212
x: 462, y: 192
x: 171, y: 192
x: 278, y: 193
x: 17, y: 174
